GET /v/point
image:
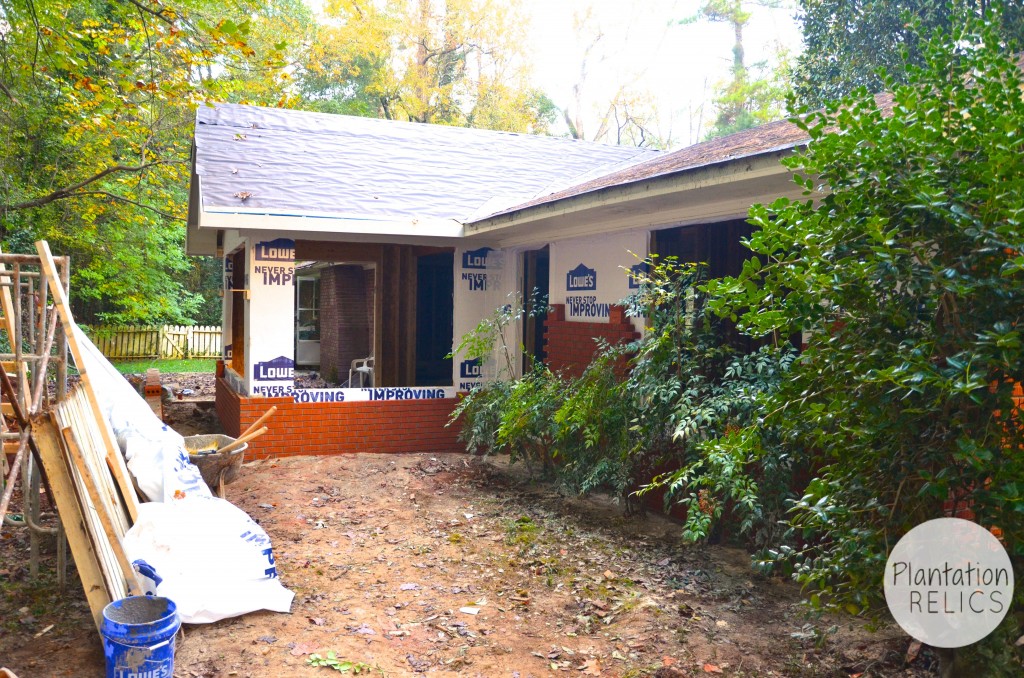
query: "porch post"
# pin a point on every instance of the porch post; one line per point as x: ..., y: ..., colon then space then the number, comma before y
x: 270, y: 324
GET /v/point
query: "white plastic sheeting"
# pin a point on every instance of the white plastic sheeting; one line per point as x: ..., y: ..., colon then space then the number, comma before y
x: 155, y: 453
x: 213, y: 560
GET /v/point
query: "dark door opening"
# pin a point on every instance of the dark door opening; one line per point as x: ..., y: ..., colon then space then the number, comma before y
x: 536, y: 282
x: 238, y: 281
x: 435, y: 290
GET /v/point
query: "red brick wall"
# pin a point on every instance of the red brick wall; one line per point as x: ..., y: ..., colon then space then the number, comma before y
x: 338, y: 428
x: 344, y: 327
x: 571, y: 345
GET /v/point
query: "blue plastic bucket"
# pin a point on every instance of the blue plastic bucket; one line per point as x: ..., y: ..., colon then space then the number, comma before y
x: 138, y: 637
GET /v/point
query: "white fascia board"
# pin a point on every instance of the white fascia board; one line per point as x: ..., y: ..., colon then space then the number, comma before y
x: 502, y: 227
x: 329, y: 223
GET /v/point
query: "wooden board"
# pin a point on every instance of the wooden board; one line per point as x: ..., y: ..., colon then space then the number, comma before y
x: 74, y: 412
x: 85, y: 553
x: 115, y: 460
x: 103, y: 510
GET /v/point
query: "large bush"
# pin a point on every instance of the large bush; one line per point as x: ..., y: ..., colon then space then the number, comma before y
x: 908, y: 278
x: 645, y: 415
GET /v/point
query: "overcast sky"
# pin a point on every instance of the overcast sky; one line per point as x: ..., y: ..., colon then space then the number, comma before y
x: 644, y: 46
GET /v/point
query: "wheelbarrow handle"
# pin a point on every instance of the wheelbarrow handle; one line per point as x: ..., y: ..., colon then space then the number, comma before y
x: 256, y: 424
x: 242, y: 440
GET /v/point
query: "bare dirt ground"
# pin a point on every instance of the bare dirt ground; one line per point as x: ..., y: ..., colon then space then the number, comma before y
x: 452, y: 565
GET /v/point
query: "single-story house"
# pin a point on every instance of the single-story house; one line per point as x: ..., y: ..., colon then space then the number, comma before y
x: 365, y: 249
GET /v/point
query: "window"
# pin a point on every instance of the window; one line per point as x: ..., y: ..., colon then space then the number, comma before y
x: 308, y: 309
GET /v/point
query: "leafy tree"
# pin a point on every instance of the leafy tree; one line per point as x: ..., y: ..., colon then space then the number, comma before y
x: 98, y: 100
x: 847, y: 41
x: 457, y: 63
x: 753, y: 95
x: 906, y: 274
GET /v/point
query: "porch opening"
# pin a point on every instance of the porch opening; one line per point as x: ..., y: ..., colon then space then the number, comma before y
x: 374, y: 314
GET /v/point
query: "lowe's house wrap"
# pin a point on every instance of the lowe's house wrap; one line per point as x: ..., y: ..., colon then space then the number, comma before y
x: 272, y: 306
x: 482, y: 284
x: 590, y: 287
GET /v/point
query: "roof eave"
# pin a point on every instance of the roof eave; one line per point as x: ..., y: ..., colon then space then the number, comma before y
x: 764, y: 164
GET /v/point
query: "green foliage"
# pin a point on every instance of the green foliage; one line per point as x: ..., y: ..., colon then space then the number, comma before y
x: 455, y: 63
x: 331, y: 661
x: 846, y: 43
x: 906, y: 278
x: 652, y: 426
x: 592, y: 429
x: 755, y: 94
x: 693, y: 391
x: 526, y: 428
x: 506, y: 414
x: 166, y: 366
x: 97, y: 101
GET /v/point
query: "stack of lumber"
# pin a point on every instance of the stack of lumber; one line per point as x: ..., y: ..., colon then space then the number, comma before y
x: 86, y: 473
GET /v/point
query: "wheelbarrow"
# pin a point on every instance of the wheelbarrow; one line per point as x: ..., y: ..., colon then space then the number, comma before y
x: 219, y: 457
x: 217, y: 468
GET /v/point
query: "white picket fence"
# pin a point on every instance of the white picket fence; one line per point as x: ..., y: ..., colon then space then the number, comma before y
x: 127, y: 342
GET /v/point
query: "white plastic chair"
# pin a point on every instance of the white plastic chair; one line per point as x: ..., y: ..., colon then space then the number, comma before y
x: 363, y: 368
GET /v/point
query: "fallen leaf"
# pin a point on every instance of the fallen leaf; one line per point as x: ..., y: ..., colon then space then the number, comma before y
x: 470, y: 610
x: 668, y: 661
x: 409, y: 587
x: 608, y: 574
x: 592, y: 667
x: 711, y: 668
x: 304, y: 648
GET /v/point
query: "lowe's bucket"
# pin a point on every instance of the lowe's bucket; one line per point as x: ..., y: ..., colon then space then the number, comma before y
x: 138, y: 637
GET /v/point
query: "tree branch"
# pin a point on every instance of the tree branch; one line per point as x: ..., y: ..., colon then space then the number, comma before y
x: 159, y: 14
x: 119, y: 198
x: 7, y: 91
x: 68, y: 191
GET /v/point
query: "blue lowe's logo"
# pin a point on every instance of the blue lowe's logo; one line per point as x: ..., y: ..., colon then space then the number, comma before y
x: 581, y: 278
x: 278, y: 369
x: 636, y: 273
x: 475, y: 258
x: 281, y: 249
x: 470, y: 369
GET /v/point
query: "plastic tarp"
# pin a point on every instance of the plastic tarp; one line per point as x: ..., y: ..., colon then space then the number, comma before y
x: 209, y: 556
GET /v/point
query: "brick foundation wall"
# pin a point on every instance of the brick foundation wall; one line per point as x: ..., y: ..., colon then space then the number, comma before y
x: 344, y: 320
x: 571, y: 345
x: 339, y: 428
